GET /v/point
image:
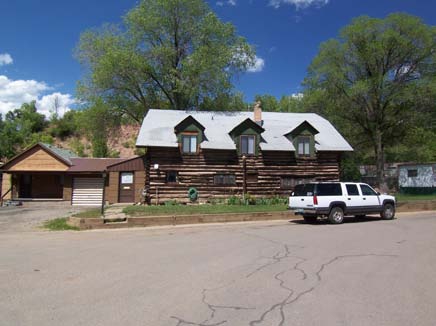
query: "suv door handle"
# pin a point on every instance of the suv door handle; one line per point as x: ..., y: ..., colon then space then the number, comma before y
x: 349, y: 198
x: 364, y: 198
x: 302, y: 199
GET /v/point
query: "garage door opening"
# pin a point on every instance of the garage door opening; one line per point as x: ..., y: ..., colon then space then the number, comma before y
x: 87, y: 191
x: 40, y: 186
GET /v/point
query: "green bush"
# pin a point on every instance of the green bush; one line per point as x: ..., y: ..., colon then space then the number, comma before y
x: 234, y: 200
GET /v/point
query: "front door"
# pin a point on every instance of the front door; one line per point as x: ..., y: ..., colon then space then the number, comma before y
x: 127, y: 189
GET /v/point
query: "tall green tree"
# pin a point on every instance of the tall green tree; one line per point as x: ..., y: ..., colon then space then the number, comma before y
x: 21, y: 128
x: 376, y: 79
x: 166, y: 54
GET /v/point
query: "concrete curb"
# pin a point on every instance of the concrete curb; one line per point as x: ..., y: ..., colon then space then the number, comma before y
x: 99, y: 223
x: 162, y: 220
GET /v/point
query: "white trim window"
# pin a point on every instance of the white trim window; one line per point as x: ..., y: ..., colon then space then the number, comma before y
x: 303, y: 144
x: 248, y: 144
x: 189, y: 144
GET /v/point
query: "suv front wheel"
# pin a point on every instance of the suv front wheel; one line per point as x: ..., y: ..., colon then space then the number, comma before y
x: 336, y: 215
x: 388, y: 212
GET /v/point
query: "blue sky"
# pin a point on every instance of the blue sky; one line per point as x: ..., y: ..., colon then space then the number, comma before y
x: 38, y: 37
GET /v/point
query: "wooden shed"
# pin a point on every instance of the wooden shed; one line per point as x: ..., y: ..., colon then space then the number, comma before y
x: 45, y: 172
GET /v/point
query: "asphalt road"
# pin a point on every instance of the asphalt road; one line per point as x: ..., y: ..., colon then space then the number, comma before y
x: 369, y: 272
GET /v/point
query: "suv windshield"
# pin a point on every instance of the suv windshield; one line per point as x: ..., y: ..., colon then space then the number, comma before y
x: 304, y: 190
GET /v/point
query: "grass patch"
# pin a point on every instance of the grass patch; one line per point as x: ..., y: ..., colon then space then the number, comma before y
x: 407, y: 197
x: 199, y: 209
x: 92, y: 213
x: 59, y: 224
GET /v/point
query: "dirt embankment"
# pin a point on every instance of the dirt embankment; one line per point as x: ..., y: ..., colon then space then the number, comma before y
x: 121, y: 140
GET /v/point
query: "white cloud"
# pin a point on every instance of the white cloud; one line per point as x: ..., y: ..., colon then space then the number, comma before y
x: 299, y: 4
x: 5, y: 59
x: 55, y: 102
x: 298, y: 96
x: 228, y: 2
x: 257, y: 66
x: 13, y: 93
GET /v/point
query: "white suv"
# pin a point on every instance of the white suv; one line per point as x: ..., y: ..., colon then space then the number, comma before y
x: 335, y: 200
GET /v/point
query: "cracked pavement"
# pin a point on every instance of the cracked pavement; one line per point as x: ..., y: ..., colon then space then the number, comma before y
x: 366, y: 272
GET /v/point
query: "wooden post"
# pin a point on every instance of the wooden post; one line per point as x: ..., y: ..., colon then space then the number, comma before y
x: 104, y: 175
x: 244, y: 170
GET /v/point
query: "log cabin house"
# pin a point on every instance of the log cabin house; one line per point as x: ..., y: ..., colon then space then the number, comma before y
x: 47, y: 173
x: 233, y: 153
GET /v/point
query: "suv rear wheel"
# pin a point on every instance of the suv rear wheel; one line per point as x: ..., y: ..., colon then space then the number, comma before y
x: 336, y: 215
x: 388, y: 212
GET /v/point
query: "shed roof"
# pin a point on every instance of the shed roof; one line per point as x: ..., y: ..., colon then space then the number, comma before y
x: 85, y: 164
x: 157, y: 129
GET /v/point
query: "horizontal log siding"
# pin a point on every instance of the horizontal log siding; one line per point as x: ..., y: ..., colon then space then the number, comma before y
x: 198, y: 171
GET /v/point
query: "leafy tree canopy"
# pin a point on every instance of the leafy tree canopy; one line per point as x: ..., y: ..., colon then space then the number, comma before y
x: 167, y: 54
x: 21, y: 128
x: 376, y: 80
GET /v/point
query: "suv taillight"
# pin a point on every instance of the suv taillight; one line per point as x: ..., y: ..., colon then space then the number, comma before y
x: 315, y: 200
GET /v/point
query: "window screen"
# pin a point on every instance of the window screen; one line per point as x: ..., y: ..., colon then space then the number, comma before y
x: 171, y: 176
x: 412, y: 173
x: 224, y: 179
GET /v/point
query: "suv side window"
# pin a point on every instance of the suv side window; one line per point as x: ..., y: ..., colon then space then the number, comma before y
x: 352, y: 190
x: 328, y: 189
x: 367, y: 191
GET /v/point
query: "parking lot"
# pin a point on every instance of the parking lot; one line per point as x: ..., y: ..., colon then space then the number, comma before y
x: 366, y: 272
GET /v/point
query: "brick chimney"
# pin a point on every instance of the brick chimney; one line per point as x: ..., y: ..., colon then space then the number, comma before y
x: 258, y: 113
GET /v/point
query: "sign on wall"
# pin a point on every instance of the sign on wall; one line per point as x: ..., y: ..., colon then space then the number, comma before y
x: 126, y: 177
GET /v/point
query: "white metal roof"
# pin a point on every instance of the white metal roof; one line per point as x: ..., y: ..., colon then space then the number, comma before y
x: 158, y: 129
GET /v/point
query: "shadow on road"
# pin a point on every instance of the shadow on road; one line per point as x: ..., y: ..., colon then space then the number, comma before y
x: 347, y: 220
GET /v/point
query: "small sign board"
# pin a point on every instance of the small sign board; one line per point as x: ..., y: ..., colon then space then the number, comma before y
x: 126, y: 177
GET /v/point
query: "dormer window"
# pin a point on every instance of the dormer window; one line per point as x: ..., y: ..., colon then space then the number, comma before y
x: 190, y: 134
x: 303, y: 145
x: 247, y: 136
x: 248, y: 144
x: 189, y: 144
x: 303, y: 139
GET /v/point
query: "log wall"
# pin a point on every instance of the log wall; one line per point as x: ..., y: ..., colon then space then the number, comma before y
x: 264, y: 173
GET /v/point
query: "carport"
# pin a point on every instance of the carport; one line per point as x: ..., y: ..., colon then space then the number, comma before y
x: 38, y: 173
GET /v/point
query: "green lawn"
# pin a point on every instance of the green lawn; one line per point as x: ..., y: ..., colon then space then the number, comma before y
x: 91, y: 213
x: 199, y: 209
x: 59, y: 224
x: 406, y: 197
